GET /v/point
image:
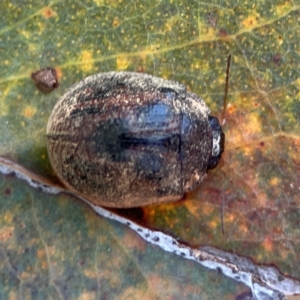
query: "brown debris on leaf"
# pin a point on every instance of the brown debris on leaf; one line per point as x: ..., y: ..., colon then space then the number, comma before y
x: 45, y: 79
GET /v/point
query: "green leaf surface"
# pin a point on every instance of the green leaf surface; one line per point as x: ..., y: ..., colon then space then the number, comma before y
x: 56, y: 247
x: 248, y: 205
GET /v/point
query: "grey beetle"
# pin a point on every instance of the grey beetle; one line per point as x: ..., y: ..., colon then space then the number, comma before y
x: 124, y: 139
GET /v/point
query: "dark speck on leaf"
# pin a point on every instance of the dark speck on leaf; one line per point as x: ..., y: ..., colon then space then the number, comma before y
x: 223, y: 33
x: 277, y: 59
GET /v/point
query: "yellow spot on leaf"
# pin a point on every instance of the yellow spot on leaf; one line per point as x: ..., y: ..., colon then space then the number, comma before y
x: 280, y: 40
x: 8, y: 217
x: 201, y: 25
x: 32, y: 47
x: 283, y: 8
x: 116, y: 22
x: 99, y: 2
x: 123, y: 62
x: 208, y: 35
x: 250, y: 22
x: 114, y: 3
x: 253, y: 125
x: 144, y: 53
x: 173, y: 22
x: 87, y: 58
x: 29, y: 111
x: 48, y: 13
x: 213, y: 223
x: 41, y: 25
x: 87, y: 296
x: 274, y: 181
x: 25, y: 33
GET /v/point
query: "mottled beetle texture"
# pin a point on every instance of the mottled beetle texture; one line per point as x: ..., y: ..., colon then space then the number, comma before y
x: 124, y: 139
x: 45, y: 79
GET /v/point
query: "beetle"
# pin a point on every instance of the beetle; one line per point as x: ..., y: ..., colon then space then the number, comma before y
x: 126, y: 139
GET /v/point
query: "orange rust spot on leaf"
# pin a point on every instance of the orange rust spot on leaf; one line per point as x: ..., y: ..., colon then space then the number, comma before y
x: 28, y: 112
x: 116, y: 22
x: 48, y: 13
x: 243, y: 228
x: 59, y: 73
x: 230, y: 109
x: 230, y: 217
x: 250, y: 22
x: 274, y: 181
x: 41, y: 253
x: 6, y: 233
x: 268, y: 244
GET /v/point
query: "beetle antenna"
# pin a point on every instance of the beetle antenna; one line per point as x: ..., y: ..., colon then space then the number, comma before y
x: 226, y: 90
x: 222, y: 215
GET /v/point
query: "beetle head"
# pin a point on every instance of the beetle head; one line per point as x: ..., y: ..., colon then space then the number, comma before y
x: 218, y: 139
x: 218, y: 136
